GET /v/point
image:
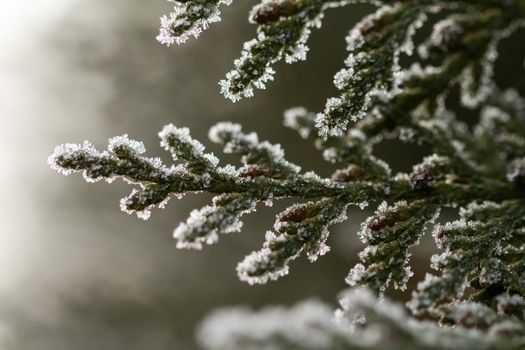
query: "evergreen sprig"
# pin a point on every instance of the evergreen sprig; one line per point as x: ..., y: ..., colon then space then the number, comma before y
x: 477, y: 295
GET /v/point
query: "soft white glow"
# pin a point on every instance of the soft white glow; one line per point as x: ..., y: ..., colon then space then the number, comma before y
x: 22, y: 27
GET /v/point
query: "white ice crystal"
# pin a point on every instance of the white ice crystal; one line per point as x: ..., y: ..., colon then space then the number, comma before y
x: 251, y: 263
x: 136, y: 147
x: 235, y: 92
x: 217, y: 132
x: 144, y: 214
x: 195, y: 222
x: 232, y: 138
x: 181, y: 136
x: 228, y: 170
x: 320, y: 248
x: 178, y: 140
x: 68, y: 152
x: 473, y: 207
x: 204, y: 225
x: 380, y: 85
x: 188, y: 19
x: 442, y: 32
x: 230, y: 135
x: 355, y: 275
x: 241, y: 81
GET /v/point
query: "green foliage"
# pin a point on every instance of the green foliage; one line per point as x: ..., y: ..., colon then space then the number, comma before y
x: 479, y: 287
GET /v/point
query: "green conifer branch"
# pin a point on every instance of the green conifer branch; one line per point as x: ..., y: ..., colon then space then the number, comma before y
x: 477, y: 295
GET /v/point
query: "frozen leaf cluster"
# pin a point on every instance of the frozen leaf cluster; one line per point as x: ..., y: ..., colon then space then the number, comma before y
x: 188, y: 19
x: 300, y: 228
x: 283, y: 28
x: 264, y: 175
x: 474, y: 299
x: 388, y: 235
x: 375, y: 44
x: 482, y: 252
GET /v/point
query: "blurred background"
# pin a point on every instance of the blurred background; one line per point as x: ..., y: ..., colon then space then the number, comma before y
x: 75, y: 272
